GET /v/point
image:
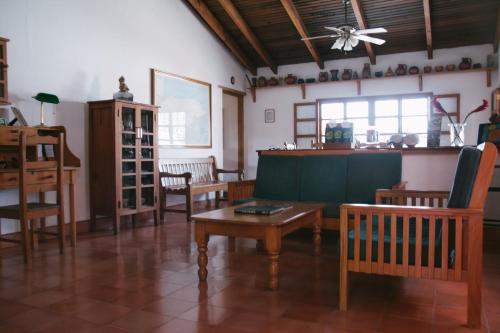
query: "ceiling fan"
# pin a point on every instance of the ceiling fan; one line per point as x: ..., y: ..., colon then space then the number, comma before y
x: 348, y: 36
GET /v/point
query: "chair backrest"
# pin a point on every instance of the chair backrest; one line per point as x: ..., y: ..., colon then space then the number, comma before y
x: 473, y: 176
x: 40, y: 175
x: 202, y: 169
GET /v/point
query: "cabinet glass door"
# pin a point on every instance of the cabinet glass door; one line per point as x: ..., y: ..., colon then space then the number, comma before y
x: 147, y: 158
x: 129, y: 158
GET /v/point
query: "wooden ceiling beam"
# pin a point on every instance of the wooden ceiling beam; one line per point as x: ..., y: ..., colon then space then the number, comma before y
x: 301, y: 29
x: 203, y: 11
x: 240, y: 22
x: 428, y: 29
x: 360, y: 18
x: 497, y: 34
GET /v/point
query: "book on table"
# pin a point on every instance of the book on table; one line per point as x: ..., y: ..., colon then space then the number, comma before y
x: 261, y: 209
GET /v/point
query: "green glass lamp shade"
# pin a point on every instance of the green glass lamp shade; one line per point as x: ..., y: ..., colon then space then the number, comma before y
x: 46, y: 98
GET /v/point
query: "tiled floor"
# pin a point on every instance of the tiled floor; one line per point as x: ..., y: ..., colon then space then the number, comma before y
x: 145, y: 280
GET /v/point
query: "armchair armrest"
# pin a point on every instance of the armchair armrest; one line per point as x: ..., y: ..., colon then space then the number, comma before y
x: 411, y: 197
x: 240, y: 172
x: 400, y: 186
x: 240, y: 190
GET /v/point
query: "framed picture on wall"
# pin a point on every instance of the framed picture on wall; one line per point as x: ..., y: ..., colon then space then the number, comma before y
x: 185, y: 115
x: 269, y: 116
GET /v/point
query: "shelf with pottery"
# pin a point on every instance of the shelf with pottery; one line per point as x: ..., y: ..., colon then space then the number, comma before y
x: 419, y: 77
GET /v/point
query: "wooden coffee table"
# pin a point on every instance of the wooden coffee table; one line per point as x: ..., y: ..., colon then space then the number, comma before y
x: 269, y: 229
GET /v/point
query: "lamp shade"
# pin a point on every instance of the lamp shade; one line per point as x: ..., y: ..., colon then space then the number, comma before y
x: 46, y: 98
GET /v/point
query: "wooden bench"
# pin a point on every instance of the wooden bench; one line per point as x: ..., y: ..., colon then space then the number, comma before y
x: 190, y: 177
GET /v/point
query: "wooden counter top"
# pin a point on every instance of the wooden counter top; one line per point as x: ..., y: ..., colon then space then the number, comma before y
x: 403, y: 151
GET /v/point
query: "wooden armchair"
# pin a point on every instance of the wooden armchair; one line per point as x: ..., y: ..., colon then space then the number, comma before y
x: 416, y: 236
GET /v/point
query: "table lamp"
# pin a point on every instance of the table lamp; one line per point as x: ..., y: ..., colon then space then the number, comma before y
x: 45, y: 98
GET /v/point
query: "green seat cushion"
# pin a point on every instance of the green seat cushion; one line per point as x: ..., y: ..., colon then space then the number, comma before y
x: 323, y: 178
x: 465, y: 176
x: 278, y: 178
x: 399, y: 241
x: 368, y: 172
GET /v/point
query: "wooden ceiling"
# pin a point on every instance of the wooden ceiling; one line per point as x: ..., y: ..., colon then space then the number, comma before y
x: 267, y: 33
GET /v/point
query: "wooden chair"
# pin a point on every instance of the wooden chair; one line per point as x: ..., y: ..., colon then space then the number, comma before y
x: 417, y: 236
x: 36, y: 177
x: 190, y: 177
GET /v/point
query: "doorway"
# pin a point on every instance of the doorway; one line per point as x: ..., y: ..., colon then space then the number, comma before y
x: 233, y: 129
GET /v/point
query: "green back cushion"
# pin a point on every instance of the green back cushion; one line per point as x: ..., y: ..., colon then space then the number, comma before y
x: 324, y: 178
x: 278, y: 178
x: 368, y: 172
x: 465, y: 175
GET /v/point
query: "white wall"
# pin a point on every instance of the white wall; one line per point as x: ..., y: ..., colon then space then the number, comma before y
x: 78, y: 49
x: 422, y: 172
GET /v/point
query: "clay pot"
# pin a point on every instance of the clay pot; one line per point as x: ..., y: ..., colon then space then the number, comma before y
x: 261, y: 81
x: 355, y: 75
x: 465, y: 64
x: 379, y: 74
x: 347, y: 75
x: 389, y: 72
x: 401, y: 70
x: 427, y: 69
x: 335, y: 74
x: 413, y: 70
x: 323, y: 76
x: 273, y: 81
x: 291, y: 79
x: 439, y: 68
x: 366, y: 73
x: 477, y: 65
x: 450, y: 67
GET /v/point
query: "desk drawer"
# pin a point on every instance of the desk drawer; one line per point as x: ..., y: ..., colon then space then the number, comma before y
x: 9, y: 179
x: 41, y: 177
x: 9, y: 137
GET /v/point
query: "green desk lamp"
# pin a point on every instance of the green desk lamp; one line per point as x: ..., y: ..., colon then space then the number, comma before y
x: 45, y: 98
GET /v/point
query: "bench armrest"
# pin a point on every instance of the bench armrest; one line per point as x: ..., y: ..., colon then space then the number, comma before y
x: 186, y: 175
x: 240, y: 172
x: 240, y: 190
x: 411, y: 197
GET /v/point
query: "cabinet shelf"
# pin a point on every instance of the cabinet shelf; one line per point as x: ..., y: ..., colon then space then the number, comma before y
x: 418, y: 77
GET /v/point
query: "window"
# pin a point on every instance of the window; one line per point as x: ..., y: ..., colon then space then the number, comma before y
x: 388, y: 114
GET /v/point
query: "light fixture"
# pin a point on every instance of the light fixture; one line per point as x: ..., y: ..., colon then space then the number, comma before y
x: 45, y: 98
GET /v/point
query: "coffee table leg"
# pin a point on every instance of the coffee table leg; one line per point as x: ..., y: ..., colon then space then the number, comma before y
x: 273, y: 246
x: 202, y: 241
x: 317, y: 233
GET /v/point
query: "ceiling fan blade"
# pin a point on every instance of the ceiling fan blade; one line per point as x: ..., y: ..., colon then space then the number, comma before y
x: 371, y: 31
x: 334, y: 29
x: 354, y: 41
x: 369, y: 39
x: 317, y: 37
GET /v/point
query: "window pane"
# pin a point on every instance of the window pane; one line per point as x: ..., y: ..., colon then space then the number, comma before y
x: 386, y: 108
x: 332, y: 111
x: 357, y: 109
x: 416, y: 124
x: 359, y: 125
x: 414, y: 107
x: 387, y: 125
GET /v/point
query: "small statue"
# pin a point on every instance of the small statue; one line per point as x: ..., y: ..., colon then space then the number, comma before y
x: 123, y: 94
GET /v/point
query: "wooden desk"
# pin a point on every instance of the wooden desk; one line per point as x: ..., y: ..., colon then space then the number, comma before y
x: 9, y: 178
x: 271, y: 229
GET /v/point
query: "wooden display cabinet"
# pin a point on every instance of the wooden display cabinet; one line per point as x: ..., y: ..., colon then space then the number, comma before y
x: 123, y: 160
x: 4, y: 92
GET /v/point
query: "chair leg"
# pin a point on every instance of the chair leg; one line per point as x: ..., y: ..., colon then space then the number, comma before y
x: 163, y: 202
x: 34, y: 236
x: 217, y: 199
x: 189, y: 205
x: 61, y: 234
x: 25, y: 238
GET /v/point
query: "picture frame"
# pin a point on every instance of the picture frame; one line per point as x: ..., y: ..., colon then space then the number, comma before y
x: 185, y: 110
x: 489, y: 133
x: 269, y: 116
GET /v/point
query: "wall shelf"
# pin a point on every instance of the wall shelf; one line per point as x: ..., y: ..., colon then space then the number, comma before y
x: 358, y: 82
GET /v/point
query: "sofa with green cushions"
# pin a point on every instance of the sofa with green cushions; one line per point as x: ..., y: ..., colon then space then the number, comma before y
x: 331, y: 177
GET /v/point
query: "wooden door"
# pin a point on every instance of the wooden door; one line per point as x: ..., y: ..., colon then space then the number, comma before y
x: 127, y: 156
x: 146, y: 158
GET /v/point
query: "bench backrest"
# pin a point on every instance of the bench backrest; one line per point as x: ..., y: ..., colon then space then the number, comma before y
x: 202, y: 170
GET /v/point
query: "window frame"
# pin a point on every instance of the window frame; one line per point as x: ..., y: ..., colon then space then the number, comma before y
x: 371, y: 109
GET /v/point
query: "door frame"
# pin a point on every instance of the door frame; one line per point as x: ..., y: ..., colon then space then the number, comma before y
x: 241, y: 123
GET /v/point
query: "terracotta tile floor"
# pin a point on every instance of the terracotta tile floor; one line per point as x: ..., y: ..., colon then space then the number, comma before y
x: 145, y: 280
